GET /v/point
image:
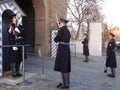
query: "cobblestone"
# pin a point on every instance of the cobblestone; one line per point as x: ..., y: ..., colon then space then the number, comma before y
x: 84, y: 76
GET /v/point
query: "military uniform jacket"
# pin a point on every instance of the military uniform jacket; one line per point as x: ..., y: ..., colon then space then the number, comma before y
x: 85, y: 47
x: 63, y: 57
x: 111, y: 55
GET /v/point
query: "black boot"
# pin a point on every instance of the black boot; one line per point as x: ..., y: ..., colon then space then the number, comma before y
x: 86, y: 59
x: 13, y: 69
x: 59, y: 85
x: 19, y: 74
x: 112, y: 75
x: 105, y: 70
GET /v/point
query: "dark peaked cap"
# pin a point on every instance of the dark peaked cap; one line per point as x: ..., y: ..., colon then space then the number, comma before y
x: 14, y: 15
x: 64, y: 20
x: 112, y: 34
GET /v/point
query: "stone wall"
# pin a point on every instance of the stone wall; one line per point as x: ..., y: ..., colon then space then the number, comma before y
x: 95, y: 41
x: 58, y: 9
x: 45, y: 18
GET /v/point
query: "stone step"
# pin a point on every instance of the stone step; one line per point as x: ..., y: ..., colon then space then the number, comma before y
x: 6, y: 73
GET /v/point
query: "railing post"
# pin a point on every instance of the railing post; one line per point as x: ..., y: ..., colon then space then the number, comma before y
x: 23, y: 63
x: 40, y: 52
x: 75, y: 50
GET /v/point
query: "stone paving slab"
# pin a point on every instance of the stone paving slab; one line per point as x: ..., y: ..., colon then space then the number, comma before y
x: 84, y: 76
x: 14, y: 81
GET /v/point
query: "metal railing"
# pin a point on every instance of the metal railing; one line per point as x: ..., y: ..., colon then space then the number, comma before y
x: 23, y: 49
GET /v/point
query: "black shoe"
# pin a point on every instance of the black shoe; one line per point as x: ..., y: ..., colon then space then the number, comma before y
x: 19, y: 75
x: 59, y: 85
x: 14, y: 75
x: 85, y: 61
x: 64, y: 87
x: 111, y: 75
x: 105, y: 71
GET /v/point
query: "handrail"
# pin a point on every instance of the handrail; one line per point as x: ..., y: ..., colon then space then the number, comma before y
x: 15, y: 45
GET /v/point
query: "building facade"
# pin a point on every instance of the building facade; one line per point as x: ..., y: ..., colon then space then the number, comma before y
x: 46, y: 13
x: 40, y: 18
x: 37, y: 17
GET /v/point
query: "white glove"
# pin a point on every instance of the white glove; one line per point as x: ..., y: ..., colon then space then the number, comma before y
x: 15, y: 48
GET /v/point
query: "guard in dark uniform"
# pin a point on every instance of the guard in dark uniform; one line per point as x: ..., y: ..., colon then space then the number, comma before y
x: 13, y: 32
x: 85, y: 48
x: 111, y: 56
x: 63, y: 57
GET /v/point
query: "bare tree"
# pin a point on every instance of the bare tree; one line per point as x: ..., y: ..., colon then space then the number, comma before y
x: 78, y: 11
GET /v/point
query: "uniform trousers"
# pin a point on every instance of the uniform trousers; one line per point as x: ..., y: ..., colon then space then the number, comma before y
x: 15, y: 66
x: 113, y: 70
x: 65, y: 78
x: 15, y: 61
x: 86, y: 58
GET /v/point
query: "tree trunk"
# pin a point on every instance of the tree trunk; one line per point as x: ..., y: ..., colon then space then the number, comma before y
x: 78, y: 30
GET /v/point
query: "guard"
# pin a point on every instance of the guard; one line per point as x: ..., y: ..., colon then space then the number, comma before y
x: 85, y: 47
x: 63, y: 57
x: 111, y: 56
x: 13, y: 31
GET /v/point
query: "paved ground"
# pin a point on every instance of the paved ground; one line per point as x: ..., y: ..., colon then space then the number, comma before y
x: 84, y: 76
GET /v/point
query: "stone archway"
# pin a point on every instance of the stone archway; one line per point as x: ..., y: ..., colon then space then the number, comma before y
x: 41, y: 26
x: 28, y: 22
x: 36, y: 24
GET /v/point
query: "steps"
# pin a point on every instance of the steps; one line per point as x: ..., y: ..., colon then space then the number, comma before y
x: 6, y: 73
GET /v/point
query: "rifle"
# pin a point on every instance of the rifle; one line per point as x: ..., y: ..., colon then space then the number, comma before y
x: 57, y: 20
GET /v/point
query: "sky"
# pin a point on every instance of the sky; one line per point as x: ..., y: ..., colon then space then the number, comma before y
x: 111, y: 9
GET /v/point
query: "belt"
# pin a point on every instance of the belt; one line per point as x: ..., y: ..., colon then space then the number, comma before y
x: 64, y: 43
x: 19, y: 38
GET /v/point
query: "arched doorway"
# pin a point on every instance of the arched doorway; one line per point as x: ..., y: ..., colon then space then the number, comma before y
x: 36, y: 24
x: 6, y: 20
x: 28, y: 22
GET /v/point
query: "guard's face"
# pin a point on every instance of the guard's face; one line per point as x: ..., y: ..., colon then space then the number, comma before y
x: 110, y: 37
x: 61, y: 24
x: 85, y: 36
x: 14, y: 19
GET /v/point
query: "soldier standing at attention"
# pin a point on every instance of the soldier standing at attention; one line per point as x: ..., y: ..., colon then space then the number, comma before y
x: 13, y: 32
x: 63, y: 57
x: 111, y: 56
x: 85, y: 48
